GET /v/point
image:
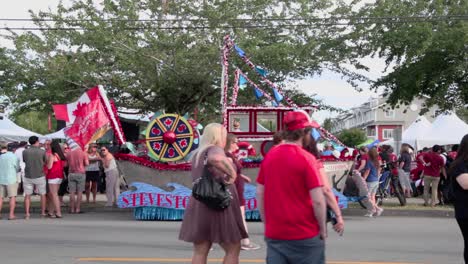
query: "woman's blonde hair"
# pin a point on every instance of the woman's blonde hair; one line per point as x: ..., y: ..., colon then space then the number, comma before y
x: 404, y: 148
x: 214, y: 134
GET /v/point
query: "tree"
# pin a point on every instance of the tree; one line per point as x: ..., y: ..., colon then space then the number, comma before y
x: 34, y: 121
x: 463, y: 114
x: 352, y: 137
x: 424, y: 42
x: 156, y: 55
x: 328, y: 124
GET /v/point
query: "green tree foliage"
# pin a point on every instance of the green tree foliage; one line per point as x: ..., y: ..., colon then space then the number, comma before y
x: 463, y: 114
x: 352, y: 137
x: 328, y: 124
x: 424, y: 43
x: 156, y: 55
x: 34, y: 121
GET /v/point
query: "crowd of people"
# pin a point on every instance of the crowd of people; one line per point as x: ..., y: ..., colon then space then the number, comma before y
x: 52, y: 169
x: 292, y: 199
x: 294, y: 196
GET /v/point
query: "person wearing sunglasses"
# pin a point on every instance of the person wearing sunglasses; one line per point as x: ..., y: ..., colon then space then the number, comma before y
x: 112, y: 176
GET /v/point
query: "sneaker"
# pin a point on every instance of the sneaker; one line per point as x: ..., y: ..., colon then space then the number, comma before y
x: 251, y: 246
x: 369, y: 215
x: 379, y: 211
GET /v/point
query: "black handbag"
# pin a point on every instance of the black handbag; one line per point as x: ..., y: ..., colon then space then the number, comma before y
x: 208, y: 190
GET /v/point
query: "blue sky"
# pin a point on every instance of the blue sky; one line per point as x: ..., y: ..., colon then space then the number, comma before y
x: 329, y: 86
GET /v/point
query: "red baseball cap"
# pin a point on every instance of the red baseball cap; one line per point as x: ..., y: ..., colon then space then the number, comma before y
x: 298, y: 119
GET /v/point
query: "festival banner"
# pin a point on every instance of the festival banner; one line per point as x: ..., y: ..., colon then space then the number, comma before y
x: 91, y: 123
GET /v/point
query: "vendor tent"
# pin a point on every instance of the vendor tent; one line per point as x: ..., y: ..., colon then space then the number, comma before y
x: 416, y: 131
x: 447, y: 129
x: 56, y: 135
x: 11, y: 132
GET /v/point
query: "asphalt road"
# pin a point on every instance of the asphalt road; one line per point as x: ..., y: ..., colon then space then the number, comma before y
x: 101, y: 238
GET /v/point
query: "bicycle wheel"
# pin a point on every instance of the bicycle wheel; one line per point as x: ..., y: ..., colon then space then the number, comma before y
x: 399, y: 193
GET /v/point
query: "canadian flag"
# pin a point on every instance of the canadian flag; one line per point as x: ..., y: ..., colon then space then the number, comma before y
x: 67, y: 112
x: 91, y: 123
x: 93, y: 107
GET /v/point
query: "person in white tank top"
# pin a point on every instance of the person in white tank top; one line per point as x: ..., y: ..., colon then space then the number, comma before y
x: 112, y: 176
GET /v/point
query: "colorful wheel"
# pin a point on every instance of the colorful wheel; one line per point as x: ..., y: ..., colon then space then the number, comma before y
x: 169, y: 137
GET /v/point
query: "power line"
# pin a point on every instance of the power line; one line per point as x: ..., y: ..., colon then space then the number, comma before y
x: 360, y: 21
x: 236, y: 19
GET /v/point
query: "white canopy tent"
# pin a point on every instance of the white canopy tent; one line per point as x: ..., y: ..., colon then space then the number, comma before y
x: 447, y: 129
x: 11, y: 132
x: 413, y: 133
x: 56, y: 135
x: 416, y: 131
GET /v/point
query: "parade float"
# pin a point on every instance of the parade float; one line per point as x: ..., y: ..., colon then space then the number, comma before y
x: 159, y: 177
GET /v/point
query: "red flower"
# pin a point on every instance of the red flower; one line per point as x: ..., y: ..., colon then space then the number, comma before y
x: 183, y: 143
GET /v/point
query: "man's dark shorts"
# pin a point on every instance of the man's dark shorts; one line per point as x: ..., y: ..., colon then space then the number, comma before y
x: 307, y: 251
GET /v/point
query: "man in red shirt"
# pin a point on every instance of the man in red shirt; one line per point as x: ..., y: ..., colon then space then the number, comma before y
x: 433, y: 166
x: 77, y: 162
x: 290, y: 198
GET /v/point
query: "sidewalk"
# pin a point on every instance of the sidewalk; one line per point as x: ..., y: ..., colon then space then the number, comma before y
x: 414, y: 208
x: 99, y: 206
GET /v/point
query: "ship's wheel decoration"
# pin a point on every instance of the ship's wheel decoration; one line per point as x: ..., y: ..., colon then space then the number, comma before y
x: 169, y: 137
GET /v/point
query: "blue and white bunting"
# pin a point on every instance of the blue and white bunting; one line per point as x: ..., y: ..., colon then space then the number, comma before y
x: 261, y: 71
x: 239, y: 51
x: 258, y: 93
x: 242, y: 82
x: 278, y: 96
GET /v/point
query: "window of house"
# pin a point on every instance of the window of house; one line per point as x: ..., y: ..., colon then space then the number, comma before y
x: 266, y: 122
x: 390, y: 113
x: 239, y: 122
x: 387, y: 133
x: 371, y: 132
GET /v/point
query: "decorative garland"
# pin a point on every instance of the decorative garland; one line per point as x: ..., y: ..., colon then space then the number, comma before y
x: 254, y: 139
x: 114, y: 109
x: 236, y: 87
x: 151, y: 164
x: 254, y: 68
x: 228, y: 43
x: 111, y: 112
x: 331, y: 136
x: 255, y: 86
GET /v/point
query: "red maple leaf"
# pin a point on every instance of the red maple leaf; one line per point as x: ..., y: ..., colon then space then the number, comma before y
x: 78, y: 110
x: 171, y: 152
x: 168, y: 122
x: 157, y: 146
x: 155, y: 131
x: 183, y: 143
x: 182, y: 128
